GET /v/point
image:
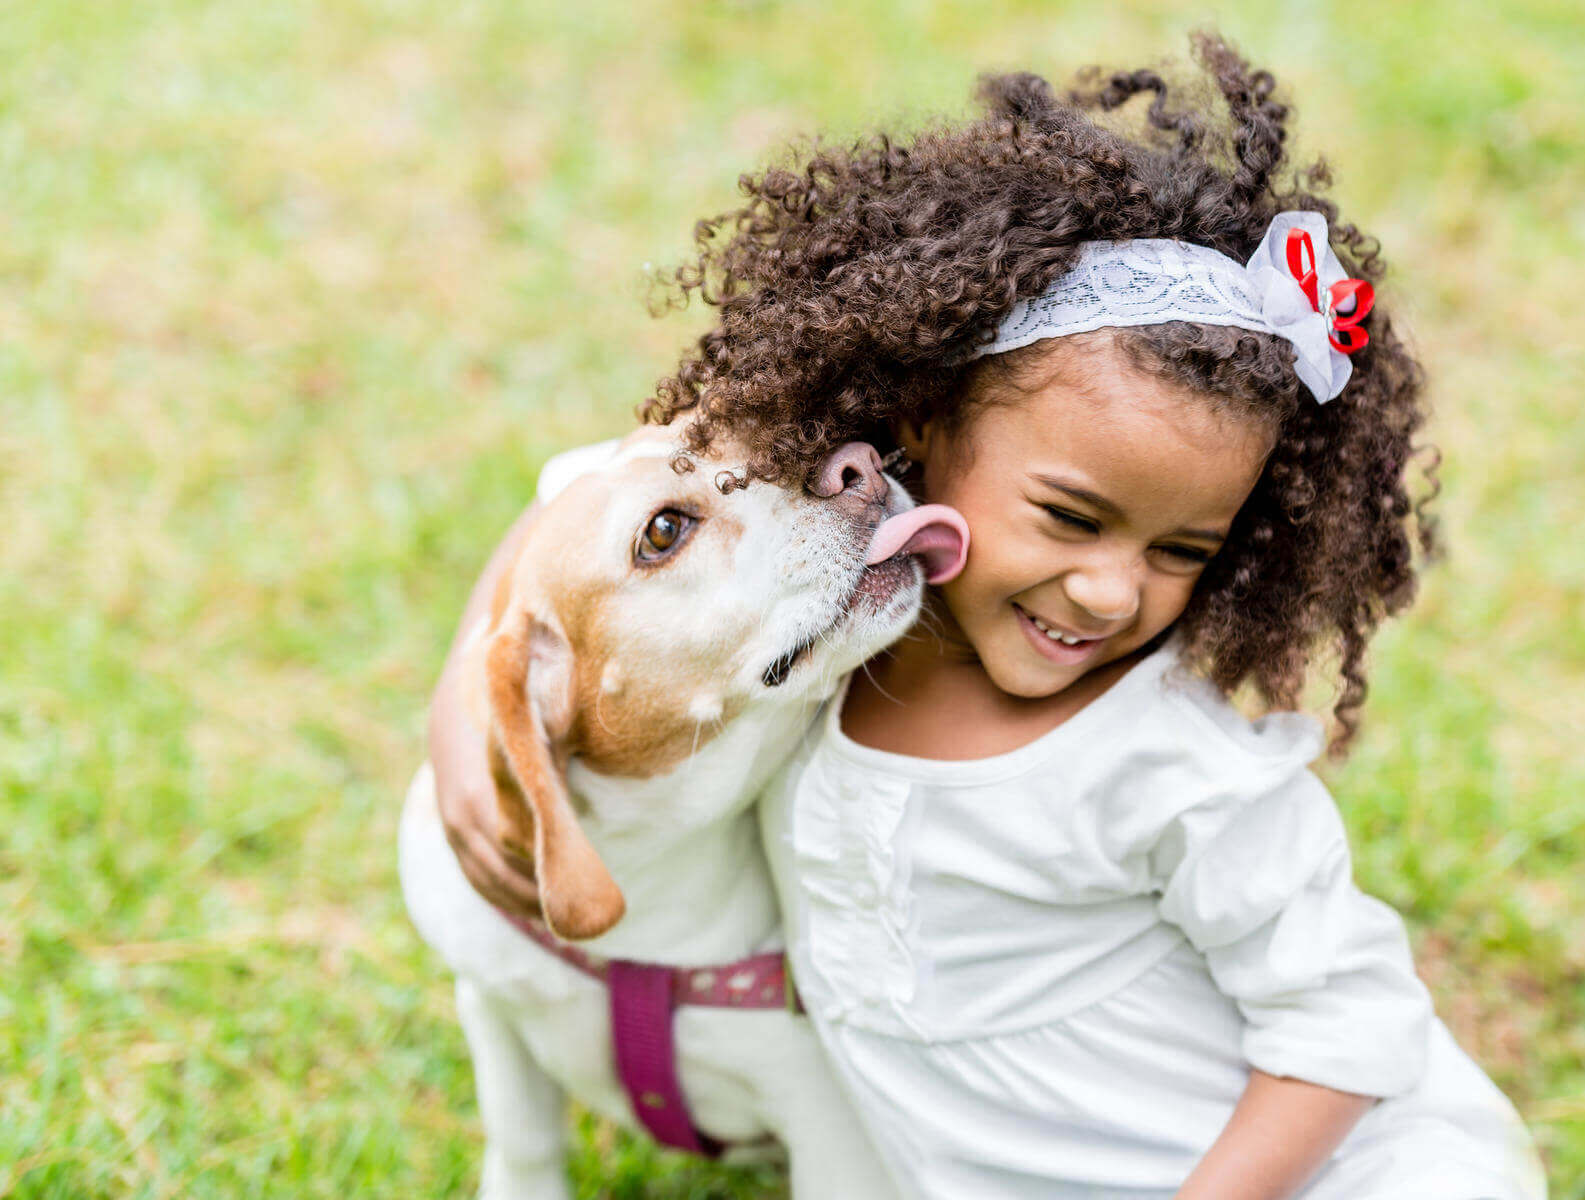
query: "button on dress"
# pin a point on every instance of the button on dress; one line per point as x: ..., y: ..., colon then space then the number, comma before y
x: 1048, y: 973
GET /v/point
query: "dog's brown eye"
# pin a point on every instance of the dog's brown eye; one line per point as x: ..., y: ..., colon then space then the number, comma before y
x: 662, y: 534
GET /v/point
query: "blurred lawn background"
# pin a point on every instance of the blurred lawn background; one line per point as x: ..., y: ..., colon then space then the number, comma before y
x: 296, y: 297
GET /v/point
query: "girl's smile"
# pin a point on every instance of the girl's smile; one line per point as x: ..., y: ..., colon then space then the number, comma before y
x: 1095, y: 494
x: 1069, y: 649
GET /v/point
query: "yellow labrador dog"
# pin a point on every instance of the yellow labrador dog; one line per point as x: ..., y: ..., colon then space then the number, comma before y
x: 658, y: 648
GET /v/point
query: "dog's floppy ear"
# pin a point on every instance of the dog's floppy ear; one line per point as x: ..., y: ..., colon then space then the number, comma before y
x: 528, y: 667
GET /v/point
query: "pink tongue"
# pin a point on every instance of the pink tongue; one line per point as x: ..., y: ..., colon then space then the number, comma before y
x: 936, y: 533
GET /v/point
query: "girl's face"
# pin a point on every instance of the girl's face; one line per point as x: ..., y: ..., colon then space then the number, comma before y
x: 1095, y: 495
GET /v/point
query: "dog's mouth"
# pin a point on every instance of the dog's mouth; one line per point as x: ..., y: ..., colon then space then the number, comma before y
x: 875, y: 587
x: 932, y: 534
x: 776, y: 674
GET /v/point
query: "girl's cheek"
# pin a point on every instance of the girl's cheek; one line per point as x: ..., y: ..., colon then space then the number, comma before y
x: 1173, y: 600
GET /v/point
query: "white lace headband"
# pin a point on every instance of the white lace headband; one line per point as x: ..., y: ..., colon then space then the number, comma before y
x: 1283, y: 289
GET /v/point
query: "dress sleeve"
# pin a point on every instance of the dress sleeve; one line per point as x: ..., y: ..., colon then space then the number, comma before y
x: 1257, y: 874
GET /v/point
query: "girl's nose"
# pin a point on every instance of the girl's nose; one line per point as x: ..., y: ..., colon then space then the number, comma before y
x: 854, y: 467
x: 1107, y: 591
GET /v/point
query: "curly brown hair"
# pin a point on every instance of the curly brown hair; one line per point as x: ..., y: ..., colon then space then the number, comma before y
x: 849, y: 285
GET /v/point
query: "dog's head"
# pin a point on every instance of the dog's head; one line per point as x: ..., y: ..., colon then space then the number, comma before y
x: 649, y: 607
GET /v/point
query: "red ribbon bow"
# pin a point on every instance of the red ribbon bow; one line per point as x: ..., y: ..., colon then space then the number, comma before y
x: 1348, y: 301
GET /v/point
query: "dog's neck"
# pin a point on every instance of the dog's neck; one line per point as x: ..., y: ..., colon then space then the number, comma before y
x: 684, y: 846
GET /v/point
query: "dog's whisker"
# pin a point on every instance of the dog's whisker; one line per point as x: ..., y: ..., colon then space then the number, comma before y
x: 931, y: 623
x: 870, y: 675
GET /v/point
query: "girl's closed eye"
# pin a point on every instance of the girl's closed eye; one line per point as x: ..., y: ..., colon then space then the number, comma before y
x: 1072, y: 520
x: 1188, y: 554
x: 1196, y: 556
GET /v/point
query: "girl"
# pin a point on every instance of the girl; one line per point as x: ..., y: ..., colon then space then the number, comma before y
x: 1068, y: 923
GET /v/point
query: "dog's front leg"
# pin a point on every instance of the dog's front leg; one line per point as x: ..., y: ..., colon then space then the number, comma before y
x: 524, y: 1112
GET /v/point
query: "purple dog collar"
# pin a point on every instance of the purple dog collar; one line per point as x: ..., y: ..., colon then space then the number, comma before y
x: 643, y: 996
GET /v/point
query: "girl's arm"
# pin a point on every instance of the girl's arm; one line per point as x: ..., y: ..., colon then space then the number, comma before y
x: 464, y: 788
x: 1280, y: 1134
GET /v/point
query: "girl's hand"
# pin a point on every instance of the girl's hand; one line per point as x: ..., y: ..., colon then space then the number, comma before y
x: 1279, y: 1135
x: 459, y: 754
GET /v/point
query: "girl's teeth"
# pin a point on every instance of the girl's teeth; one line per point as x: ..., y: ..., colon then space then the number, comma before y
x: 1051, y: 633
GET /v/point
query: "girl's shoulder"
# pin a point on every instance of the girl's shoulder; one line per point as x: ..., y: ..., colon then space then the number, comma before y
x: 1198, y: 721
x: 1161, y: 715
x: 1170, y: 742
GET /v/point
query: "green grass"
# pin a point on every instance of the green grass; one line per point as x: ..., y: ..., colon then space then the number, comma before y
x: 295, y: 298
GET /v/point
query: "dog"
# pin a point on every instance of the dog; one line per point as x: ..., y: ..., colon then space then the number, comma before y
x: 660, y: 645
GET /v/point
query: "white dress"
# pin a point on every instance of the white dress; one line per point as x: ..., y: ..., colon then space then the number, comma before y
x: 1048, y: 973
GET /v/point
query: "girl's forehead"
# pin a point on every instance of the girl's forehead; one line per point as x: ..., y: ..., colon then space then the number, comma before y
x: 1123, y: 433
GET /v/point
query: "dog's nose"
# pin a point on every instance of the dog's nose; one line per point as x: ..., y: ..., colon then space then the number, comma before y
x: 851, y: 468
